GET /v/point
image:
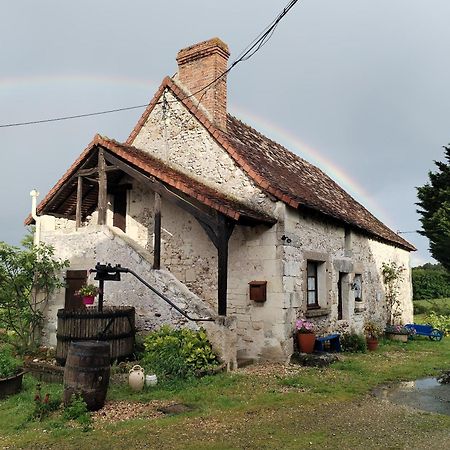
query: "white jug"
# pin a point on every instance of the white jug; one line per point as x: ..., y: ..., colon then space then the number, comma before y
x: 151, y: 380
x: 136, y: 378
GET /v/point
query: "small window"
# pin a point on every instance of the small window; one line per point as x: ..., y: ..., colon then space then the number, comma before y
x: 357, y: 287
x: 312, y: 285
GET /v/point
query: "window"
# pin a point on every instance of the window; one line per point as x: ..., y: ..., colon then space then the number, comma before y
x: 312, y: 285
x: 357, y: 287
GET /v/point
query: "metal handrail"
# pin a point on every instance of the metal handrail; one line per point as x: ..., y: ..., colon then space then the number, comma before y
x: 106, y: 272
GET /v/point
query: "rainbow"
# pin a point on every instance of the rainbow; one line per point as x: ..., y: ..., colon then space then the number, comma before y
x: 293, y: 143
x: 33, y: 81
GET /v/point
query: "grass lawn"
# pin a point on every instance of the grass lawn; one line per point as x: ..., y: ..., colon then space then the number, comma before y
x: 260, y: 407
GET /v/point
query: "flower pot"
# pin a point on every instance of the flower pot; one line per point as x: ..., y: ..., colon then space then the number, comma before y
x: 11, y: 385
x: 397, y: 337
x: 306, y: 342
x: 88, y: 300
x: 372, y: 344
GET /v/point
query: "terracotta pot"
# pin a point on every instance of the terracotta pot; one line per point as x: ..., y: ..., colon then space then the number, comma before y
x: 372, y: 344
x: 88, y: 300
x: 306, y: 342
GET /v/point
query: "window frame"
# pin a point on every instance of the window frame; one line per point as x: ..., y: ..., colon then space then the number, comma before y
x: 315, y: 265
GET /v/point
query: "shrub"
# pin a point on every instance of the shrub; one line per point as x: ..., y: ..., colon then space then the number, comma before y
x: 430, y: 281
x: 353, y: 343
x: 27, y: 278
x: 178, y: 353
x: 77, y: 410
x: 9, y: 364
x: 440, y: 322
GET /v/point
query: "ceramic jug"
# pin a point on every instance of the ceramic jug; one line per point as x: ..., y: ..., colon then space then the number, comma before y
x: 136, y: 378
x: 151, y: 380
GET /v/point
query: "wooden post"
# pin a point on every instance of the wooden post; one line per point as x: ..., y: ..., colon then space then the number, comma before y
x: 224, y: 231
x: 79, y: 202
x: 157, y: 232
x: 101, y: 288
x: 102, y: 188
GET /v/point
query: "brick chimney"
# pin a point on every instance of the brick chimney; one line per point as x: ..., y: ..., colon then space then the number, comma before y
x: 199, y: 65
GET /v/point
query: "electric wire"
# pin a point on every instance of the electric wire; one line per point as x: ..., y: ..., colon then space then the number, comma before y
x: 245, y: 55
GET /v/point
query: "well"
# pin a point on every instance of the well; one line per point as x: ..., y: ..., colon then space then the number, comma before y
x: 114, y: 325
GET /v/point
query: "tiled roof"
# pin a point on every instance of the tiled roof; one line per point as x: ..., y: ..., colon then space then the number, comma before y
x: 302, y: 183
x: 148, y: 165
x: 280, y: 172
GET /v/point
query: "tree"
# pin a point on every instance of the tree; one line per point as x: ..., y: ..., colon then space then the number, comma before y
x: 430, y: 281
x: 28, y: 276
x: 435, y: 210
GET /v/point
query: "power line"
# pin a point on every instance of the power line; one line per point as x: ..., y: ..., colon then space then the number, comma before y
x: 245, y: 55
x: 77, y: 116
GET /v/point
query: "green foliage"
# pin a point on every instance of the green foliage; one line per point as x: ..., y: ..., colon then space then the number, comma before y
x: 9, y: 364
x: 434, y: 204
x: 438, y: 306
x: 392, y: 277
x: 353, y: 343
x: 178, y: 353
x: 430, y: 281
x: 27, y: 277
x: 44, y: 407
x: 440, y: 322
x: 77, y: 410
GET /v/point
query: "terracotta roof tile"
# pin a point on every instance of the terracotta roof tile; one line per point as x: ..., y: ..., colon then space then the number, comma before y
x: 300, y: 182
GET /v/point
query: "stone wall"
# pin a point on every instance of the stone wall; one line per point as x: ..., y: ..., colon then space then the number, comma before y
x: 346, y: 252
x: 92, y: 244
x: 173, y: 135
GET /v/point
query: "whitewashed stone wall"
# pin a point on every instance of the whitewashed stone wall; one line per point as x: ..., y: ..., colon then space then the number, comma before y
x: 177, y: 138
x: 92, y: 244
x: 350, y: 253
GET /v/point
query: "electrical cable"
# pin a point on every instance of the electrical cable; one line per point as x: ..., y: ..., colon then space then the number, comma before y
x: 245, y: 55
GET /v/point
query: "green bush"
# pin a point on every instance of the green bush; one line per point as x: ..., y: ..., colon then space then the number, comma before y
x: 9, y: 364
x: 440, y: 322
x: 177, y: 353
x: 353, y: 343
x: 77, y: 410
x: 430, y: 281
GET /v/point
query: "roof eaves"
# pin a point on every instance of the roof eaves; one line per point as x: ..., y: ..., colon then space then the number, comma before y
x: 53, y: 191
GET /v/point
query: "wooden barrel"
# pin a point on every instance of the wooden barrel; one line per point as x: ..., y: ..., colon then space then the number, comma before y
x: 114, y: 325
x: 87, y: 373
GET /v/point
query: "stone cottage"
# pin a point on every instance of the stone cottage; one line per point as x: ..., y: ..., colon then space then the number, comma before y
x: 226, y: 222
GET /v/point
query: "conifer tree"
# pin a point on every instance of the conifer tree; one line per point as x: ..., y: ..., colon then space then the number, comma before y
x: 434, y: 203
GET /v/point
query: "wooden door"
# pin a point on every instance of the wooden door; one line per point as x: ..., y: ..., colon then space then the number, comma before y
x: 120, y: 209
x: 74, y: 280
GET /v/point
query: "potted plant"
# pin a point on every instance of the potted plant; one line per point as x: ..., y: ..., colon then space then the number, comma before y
x: 88, y: 292
x: 306, y: 337
x: 398, y: 332
x: 372, y: 332
x: 11, y: 373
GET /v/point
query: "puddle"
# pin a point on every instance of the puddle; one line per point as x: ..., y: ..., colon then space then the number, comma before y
x: 426, y: 394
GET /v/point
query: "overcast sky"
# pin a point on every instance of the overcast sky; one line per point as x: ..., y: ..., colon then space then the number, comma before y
x: 358, y: 87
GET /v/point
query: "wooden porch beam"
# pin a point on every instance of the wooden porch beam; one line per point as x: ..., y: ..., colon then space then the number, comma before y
x: 225, y: 229
x: 94, y: 170
x: 79, y: 202
x: 157, y: 232
x: 102, y: 188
